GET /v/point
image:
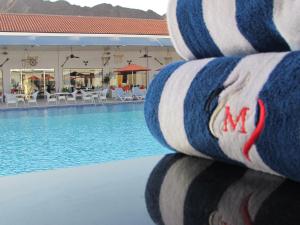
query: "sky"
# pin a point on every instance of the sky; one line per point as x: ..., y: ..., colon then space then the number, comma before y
x: 159, y: 6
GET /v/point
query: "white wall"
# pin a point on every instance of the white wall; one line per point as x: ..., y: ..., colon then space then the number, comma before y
x: 53, y: 58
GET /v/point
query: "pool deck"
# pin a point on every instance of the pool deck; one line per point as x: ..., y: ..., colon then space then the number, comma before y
x: 42, y: 104
x: 106, y: 194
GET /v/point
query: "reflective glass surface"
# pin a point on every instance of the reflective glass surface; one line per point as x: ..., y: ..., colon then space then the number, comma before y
x: 173, y: 189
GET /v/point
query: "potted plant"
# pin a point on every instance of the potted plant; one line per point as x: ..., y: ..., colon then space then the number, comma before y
x: 65, y: 89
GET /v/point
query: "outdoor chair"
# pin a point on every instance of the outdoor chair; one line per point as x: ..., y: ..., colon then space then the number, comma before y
x: 11, y: 99
x: 114, y: 94
x: 33, y: 98
x: 95, y: 96
x: 20, y: 100
x: 51, y: 98
x: 138, y: 93
x: 103, y: 94
x: 61, y: 98
x: 86, y: 97
x: 123, y: 96
x: 72, y: 96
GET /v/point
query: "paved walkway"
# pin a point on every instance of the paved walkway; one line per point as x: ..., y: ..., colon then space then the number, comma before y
x: 44, y: 104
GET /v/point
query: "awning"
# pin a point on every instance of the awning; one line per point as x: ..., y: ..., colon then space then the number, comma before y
x: 84, y: 41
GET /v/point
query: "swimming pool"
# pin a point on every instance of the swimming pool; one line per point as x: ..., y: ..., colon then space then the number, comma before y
x: 43, y: 139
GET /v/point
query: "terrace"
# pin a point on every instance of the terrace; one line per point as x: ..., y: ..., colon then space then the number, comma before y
x: 78, y: 97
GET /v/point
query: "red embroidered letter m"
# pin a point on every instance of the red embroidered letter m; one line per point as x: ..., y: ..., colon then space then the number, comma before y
x: 233, y: 123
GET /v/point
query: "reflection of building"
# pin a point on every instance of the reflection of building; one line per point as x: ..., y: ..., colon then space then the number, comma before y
x: 63, y: 52
x: 82, y: 78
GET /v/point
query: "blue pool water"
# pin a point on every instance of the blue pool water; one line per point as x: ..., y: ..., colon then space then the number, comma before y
x: 42, y: 139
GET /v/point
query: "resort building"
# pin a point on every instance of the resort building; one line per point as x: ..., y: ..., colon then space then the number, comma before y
x: 56, y: 53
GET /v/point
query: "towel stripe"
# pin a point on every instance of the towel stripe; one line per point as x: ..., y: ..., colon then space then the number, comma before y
x: 206, y: 191
x: 177, y: 40
x: 208, y: 80
x: 171, y: 106
x: 242, y: 90
x: 286, y: 18
x: 189, y: 17
x: 212, y: 28
x: 183, y: 171
x: 255, y: 21
x: 220, y: 20
x: 284, y: 84
x: 155, y: 182
x: 152, y: 101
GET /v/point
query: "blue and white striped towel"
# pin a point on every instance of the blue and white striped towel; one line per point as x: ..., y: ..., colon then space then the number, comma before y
x: 243, y: 110
x: 211, y: 28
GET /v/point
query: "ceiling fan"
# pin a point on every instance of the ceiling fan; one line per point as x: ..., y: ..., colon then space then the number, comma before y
x: 71, y: 56
x: 105, y: 60
x: 5, y: 61
x: 146, y: 56
x: 157, y: 60
x: 4, y: 51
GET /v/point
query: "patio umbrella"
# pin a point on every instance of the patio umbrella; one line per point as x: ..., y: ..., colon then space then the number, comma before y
x: 49, y: 77
x: 33, y: 77
x: 131, y: 69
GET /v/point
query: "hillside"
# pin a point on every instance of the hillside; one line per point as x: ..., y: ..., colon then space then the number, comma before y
x: 64, y: 8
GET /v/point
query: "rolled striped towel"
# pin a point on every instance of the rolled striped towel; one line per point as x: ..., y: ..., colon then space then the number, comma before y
x: 243, y: 110
x: 184, y: 190
x: 211, y: 28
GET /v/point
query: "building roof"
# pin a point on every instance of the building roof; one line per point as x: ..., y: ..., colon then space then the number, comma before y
x: 80, y: 25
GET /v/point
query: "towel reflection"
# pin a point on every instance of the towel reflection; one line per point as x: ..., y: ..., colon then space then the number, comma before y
x: 187, y: 190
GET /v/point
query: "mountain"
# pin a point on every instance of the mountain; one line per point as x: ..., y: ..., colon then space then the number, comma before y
x: 64, y: 8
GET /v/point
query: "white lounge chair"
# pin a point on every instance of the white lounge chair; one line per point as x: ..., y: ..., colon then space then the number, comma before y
x: 72, y: 96
x: 138, y: 93
x: 86, y: 97
x: 11, y: 99
x: 51, y: 98
x: 33, y: 98
x: 123, y: 96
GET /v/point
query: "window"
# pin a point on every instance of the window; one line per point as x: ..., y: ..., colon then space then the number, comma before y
x: 27, y: 81
x: 82, y: 78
